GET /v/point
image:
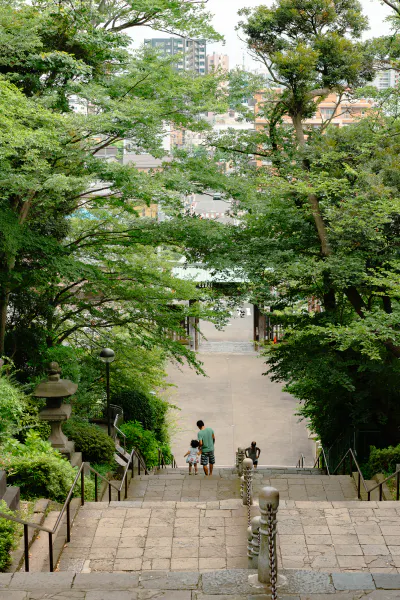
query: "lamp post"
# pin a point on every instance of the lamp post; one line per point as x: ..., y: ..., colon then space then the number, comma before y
x: 107, y: 356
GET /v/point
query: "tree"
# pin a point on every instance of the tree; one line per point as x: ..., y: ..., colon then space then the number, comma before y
x: 319, y: 219
x: 74, y: 260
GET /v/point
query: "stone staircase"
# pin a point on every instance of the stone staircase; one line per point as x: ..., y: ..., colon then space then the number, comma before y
x: 181, y: 537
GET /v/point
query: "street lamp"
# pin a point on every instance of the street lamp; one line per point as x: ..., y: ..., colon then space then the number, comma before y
x: 107, y: 356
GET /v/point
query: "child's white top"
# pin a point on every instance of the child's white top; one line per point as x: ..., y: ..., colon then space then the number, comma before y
x: 192, y: 456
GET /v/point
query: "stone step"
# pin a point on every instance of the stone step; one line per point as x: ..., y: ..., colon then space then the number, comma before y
x: 175, y: 536
x: 239, y: 584
x: 39, y: 541
x: 231, y: 472
x: 227, y: 347
x: 10, y: 495
x: 178, y: 485
x: 135, y: 536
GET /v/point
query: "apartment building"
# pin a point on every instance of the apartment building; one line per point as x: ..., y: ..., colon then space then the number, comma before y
x: 341, y: 114
x: 193, y: 52
x: 215, y: 62
x: 387, y: 78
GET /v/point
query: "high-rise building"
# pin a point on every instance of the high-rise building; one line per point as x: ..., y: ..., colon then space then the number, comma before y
x: 193, y: 52
x: 387, y: 78
x: 217, y: 61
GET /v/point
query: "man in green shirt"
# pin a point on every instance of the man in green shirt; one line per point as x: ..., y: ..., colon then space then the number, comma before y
x: 206, y: 438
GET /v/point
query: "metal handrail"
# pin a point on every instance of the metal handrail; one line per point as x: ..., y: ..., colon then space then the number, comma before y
x: 119, y: 431
x: 301, y: 462
x: 380, y: 486
x: 161, y: 460
x: 317, y: 462
x: 361, y: 479
x: 66, y: 506
x: 141, y: 462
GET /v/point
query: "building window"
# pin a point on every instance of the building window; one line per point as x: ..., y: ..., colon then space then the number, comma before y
x: 327, y: 113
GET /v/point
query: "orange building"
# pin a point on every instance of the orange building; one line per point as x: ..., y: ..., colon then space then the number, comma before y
x: 344, y: 112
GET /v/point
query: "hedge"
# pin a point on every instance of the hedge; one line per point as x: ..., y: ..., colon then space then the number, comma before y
x: 94, y: 443
x: 7, y: 537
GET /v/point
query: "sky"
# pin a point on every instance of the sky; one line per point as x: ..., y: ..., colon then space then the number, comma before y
x: 226, y: 18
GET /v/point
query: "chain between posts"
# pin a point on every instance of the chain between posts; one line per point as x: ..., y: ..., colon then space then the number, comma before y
x: 267, y: 560
x: 248, y: 486
x: 271, y: 528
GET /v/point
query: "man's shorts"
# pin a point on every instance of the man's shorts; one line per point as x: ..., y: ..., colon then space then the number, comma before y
x: 207, y: 457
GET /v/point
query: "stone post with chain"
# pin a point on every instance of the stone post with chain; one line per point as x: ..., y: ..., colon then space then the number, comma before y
x: 241, y: 455
x: 253, y: 547
x: 267, y: 559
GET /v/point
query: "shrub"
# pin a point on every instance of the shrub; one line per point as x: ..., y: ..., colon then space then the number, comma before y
x: 383, y: 460
x: 91, y: 440
x: 160, y: 409
x: 12, y: 406
x: 42, y: 476
x: 137, y: 406
x: 7, y: 537
x: 143, y: 440
x: 39, y: 470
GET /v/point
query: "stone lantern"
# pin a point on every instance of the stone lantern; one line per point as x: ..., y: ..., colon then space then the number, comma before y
x: 54, y: 390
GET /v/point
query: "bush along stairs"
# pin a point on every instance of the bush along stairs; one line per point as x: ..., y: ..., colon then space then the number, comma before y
x: 240, y: 534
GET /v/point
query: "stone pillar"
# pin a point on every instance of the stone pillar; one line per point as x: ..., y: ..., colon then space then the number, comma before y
x: 241, y: 455
x: 267, y: 559
x: 253, y: 548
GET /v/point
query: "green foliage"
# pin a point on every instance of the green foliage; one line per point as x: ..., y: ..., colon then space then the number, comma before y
x: 137, y: 406
x: 41, y: 476
x: 7, y: 537
x: 91, y: 440
x: 383, y: 460
x: 12, y: 407
x: 319, y: 217
x: 78, y: 268
x: 143, y: 440
x: 39, y: 470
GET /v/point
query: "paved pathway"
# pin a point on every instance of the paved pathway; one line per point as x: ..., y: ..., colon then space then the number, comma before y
x: 241, y: 405
x: 340, y: 536
x: 236, y: 400
x: 154, y: 536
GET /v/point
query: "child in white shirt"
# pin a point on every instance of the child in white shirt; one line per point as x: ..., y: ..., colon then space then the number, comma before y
x: 193, y: 456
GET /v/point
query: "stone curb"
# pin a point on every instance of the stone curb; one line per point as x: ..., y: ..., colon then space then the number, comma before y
x: 213, y: 583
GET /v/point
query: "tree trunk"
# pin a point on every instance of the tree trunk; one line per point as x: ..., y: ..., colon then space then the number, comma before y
x: 312, y: 198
